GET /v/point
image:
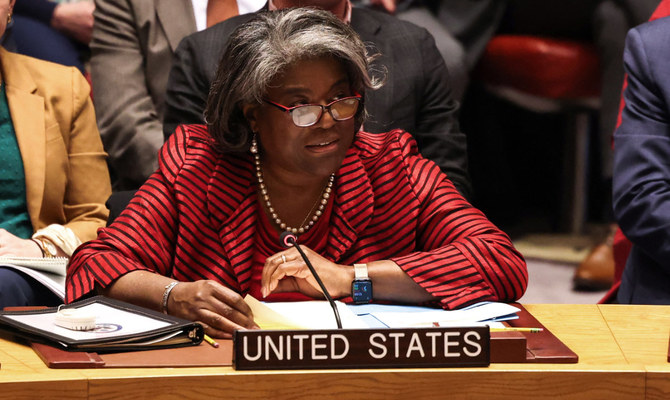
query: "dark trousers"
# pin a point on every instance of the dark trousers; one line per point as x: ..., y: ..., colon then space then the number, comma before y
x: 18, y: 289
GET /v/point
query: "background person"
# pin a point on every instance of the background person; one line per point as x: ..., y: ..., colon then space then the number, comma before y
x: 641, y: 173
x: 54, y: 176
x: 283, y: 150
x: 131, y: 52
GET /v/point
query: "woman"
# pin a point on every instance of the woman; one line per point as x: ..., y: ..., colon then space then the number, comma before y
x: 281, y: 152
x: 53, y: 169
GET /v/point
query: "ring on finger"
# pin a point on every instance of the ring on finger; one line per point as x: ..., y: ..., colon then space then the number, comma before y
x: 283, y: 259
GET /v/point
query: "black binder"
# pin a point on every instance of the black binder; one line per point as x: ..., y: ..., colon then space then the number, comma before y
x: 166, y: 330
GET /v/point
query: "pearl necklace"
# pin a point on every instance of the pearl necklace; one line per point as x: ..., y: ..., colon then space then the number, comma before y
x: 322, y: 201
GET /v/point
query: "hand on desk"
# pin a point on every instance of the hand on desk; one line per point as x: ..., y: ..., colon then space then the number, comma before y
x: 286, y: 271
x: 219, y: 309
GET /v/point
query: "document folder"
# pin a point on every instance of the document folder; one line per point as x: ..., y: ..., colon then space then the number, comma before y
x: 119, y: 326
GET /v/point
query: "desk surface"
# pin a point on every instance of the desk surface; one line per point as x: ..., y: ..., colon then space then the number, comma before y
x: 622, y: 355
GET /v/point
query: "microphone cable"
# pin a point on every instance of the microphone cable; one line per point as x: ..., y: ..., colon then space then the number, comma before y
x: 288, y: 239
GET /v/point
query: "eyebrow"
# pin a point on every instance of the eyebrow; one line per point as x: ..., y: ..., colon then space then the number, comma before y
x: 289, y: 90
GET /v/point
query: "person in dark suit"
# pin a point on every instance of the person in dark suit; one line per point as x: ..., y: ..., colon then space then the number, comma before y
x: 642, y: 165
x: 416, y: 97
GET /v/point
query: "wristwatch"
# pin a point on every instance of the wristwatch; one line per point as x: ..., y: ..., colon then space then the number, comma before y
x: 361, y: 286
x: 49, y: 249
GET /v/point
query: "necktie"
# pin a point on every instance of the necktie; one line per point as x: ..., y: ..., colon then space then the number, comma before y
x: 220, y: 10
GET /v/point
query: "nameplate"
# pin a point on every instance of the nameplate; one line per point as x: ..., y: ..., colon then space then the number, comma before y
x: 361, y: 348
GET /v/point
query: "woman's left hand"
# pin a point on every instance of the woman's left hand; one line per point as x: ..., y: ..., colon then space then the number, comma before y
x: 290, y: 274
x: 11, y: 245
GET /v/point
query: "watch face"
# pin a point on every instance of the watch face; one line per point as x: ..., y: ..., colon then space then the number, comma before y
x: 361, y: 291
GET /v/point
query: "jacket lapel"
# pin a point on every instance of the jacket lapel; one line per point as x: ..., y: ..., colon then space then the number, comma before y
x: 353, y: 207
x: 231, y: 203
x: 176, y: 18
x: 27, y: 111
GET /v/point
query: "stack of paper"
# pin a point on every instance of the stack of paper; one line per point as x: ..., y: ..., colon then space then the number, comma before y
x: 319, y: 315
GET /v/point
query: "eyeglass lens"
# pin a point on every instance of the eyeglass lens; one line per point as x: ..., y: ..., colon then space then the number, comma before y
x: 340, y: 110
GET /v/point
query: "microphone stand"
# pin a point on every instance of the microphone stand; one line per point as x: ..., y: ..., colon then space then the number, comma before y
x: 288, y: 239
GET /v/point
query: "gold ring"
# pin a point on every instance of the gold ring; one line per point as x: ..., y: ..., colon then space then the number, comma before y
x: 283, y: 258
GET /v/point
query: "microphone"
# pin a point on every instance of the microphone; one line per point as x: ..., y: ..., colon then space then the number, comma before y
x: 288, y: 239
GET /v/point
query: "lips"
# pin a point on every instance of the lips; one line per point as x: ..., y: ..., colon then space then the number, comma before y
x: 323, y: 146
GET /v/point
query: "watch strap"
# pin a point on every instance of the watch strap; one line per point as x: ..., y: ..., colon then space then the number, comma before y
x: 361, y: 271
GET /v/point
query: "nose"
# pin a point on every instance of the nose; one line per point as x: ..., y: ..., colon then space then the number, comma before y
x: 326, y: 121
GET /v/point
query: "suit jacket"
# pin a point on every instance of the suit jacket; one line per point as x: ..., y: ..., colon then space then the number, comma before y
x: 67, y: 181
x: 415, y: 98
x: 196, y: 218
x: 641, y: 180
x: 131, y: 49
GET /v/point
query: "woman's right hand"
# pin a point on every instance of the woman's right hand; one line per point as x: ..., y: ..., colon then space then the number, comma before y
x: 219, y: 309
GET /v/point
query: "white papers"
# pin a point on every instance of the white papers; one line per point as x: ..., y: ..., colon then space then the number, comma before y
x: 56, y: 265
x: 319, y: 315
x: 470, y: 316
x: 315, y: 314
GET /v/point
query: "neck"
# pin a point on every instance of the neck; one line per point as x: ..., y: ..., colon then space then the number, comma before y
x: 295, y: 202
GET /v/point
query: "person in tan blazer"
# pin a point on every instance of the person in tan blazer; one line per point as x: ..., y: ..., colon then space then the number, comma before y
x: 66, y: 177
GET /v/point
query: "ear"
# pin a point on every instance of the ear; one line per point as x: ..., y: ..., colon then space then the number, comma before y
x: 250, y: 112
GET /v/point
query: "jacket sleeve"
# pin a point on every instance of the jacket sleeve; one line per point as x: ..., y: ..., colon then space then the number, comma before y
x: 463, y: 257
x: 88, y: 185
x: 129, y: 122
x: 641, y: 180
x: 142, y: 238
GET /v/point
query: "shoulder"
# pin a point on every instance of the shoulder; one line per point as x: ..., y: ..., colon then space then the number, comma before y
x: 49, y: 79
x: 216, y: 35
x: 370, y: 22
x: 652, y: 36
x: 646, y: 56
x: 185, y: 146
x: 393, y: 145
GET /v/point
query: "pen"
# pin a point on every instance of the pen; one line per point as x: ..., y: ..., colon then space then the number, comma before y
x: 514, y: 329
x: 211, y: 341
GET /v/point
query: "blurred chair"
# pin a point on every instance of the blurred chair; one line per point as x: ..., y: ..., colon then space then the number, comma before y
x: 545, y: 75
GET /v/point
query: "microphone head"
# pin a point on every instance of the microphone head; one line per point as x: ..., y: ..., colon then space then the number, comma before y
x: 287, y: 239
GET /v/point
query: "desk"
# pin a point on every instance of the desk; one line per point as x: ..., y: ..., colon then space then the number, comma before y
x: 606, y: 369
x: 642, y: 333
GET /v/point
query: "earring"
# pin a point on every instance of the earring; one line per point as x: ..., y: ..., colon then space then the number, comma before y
x: 9, y: 18
x: 254, y: 145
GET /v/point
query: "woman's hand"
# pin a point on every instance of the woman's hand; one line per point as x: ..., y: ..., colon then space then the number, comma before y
x: 219, y: 309
x: 75, y: 20
x: 388, y: 5
x: 290, y: 274
x: 11, y: 245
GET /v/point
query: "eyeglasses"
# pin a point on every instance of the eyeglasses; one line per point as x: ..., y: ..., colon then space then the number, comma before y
x: 306, y: 115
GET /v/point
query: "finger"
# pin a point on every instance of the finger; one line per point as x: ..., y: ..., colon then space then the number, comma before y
x: 286, y: 285
x: 232, y: 306
x: 272, y: 263
x: 295, y: 269
x: 215, y: 333
x: 226, y: 319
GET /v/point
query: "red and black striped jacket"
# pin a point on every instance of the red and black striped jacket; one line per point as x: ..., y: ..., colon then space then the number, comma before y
x: 195, y: 219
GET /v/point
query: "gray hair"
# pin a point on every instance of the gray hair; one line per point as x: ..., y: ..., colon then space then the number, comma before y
x: 266, y: 46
